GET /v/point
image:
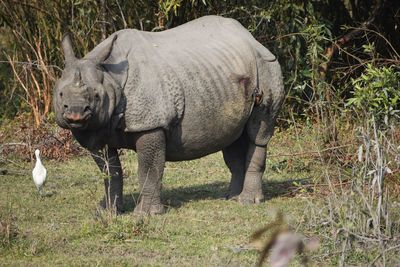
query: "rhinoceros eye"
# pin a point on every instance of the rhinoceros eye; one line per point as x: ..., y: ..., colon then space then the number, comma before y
x: 61, y: 94
x: 97, y: 96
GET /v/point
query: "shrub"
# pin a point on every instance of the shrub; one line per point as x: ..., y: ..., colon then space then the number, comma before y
x: 376, y: 93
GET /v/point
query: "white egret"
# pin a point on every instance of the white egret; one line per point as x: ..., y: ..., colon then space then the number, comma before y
x: 39, y: 173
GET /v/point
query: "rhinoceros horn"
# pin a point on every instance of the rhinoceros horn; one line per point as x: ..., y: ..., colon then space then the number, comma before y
x: 67, y: 49
x: 77, y: 77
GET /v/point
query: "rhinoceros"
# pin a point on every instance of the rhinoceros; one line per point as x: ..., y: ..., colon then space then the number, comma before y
x: 175, y: 95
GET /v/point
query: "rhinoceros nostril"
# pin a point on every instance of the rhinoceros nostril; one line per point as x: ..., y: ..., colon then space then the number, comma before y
x: 65, y: 106
x: 87, y: 109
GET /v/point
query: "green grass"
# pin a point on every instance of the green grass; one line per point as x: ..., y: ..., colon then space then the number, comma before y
x: 200, y: 228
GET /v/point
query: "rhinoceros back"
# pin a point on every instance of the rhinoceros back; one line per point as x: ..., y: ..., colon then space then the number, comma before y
x: 178, y: 71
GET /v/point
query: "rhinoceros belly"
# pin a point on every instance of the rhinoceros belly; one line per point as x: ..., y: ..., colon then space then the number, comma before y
x: 186, y: 143
x: 216, y: 104
x: 209, y: 124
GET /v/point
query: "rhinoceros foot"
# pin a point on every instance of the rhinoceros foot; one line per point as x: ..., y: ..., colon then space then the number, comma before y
x: 150, y: 209
x: 250, y: 198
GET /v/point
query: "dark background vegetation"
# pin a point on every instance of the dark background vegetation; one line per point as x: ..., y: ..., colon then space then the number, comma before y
x: 322, y: 45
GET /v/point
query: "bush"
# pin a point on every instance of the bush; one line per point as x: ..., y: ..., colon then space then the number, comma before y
x: 376, y: 93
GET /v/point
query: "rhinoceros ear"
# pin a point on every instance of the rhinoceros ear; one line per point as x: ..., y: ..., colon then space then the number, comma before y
x: 67, y: 49
x: 105, y: 51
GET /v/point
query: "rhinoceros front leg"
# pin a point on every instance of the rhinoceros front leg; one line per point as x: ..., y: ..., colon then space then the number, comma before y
x: 255, y: 166
x: 108, y: 162
x: 150, y: 148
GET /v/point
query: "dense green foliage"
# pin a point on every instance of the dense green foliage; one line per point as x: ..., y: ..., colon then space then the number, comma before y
x: 300, y: 33
x: 377, y: 92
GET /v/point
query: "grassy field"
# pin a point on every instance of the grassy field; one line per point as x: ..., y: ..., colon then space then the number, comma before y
x: 200, y: 228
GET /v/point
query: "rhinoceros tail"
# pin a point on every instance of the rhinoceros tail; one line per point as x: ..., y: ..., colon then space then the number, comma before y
x: 260, y: 126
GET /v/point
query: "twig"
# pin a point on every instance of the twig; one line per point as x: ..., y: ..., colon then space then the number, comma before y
x: 381, y: 254
x: 14, y: 163
x: 355, y: 32
x: 38, y: 9
x: 58, y: 140
x: 31, y: 64
x: 14, y: 144
x: 122, y: 14
x: 309, y: 152
x: 392, y: 248
x: 289, y: 35
x: 11, y: 62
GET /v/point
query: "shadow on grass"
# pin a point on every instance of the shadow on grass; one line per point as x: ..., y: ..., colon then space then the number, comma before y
x: 287, y: 188
x: 177, y: 197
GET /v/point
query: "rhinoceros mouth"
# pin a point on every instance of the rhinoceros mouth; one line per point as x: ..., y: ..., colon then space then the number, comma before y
x: 78, y: 123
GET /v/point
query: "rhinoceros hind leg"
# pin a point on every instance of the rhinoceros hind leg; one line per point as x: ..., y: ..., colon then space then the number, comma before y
x: 255, y: 166
x: 235, y: 159
x: 260, y: 129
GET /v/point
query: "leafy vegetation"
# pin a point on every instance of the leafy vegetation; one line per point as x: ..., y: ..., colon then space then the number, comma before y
x: 376, y: 93
x: 318, y: 49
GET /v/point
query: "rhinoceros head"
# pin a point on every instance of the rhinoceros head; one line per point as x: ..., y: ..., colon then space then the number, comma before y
x: 83, y: 99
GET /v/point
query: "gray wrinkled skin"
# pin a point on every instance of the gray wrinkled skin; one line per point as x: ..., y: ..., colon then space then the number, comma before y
x: 174, y: 95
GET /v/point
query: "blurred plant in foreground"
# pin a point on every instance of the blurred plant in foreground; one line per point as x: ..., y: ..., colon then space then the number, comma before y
x: 282, y: 245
